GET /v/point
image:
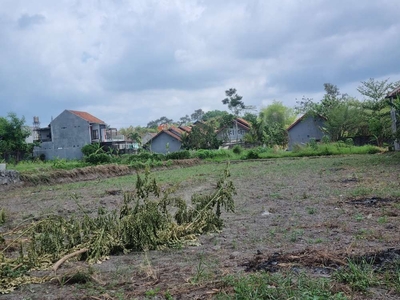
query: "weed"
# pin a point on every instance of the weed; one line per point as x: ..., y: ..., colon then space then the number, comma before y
x: 359, y: 276
x: 168, y: 296
x: 295, y: 235
x: 201, y: 272
x: 279, y: 286
x: 2, y: 216
x: 311, y: 210
x: 382, y: 220
x: 359, y: 217
x: 152, y: 292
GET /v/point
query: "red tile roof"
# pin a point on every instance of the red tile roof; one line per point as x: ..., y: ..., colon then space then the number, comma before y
x: 243, y: 122
x: 86, y: 116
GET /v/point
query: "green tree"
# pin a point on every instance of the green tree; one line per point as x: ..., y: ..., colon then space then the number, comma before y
x: 234, y: 102
x: 346, y: 119
x: 269, y: 127
x: 202, y: 136
x: 197, y: 115
x: 277, y: 113
x: 377, y: 108
x: 135, y: 137
x: 156, y: 123
x: 330, y: 100
x: 235, y: 105
x: 13, y: 133
x: 214, y: 114
x: 184, y: 120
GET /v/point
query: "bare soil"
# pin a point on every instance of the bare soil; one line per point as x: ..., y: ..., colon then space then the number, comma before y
x: 303, y: 214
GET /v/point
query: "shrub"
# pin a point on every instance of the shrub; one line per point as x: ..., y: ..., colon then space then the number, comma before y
x: 297, y: 148
x: 237, y: 149
x: 59, y: 163
x: 313, y: 144
x: 99, y: 158
x: 144, y: 157
x: 252, y: 154
x: 326, y: 139
x: 349, y: 142
x: 204, y: 154
x: 91, y: 149
x: 185, y: 154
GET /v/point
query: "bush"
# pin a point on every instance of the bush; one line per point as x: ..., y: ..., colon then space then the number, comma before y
x: 326, y: 139
x: 313, y: 144
x: 91, y: 149
x: 252, y: 154
x: 237, y: 149
x: 297, y: 148
x: 59, y: 163
x: 96, y: 159
x: 144, y: 157
x: 204, y: 154
x: 185, y: 154
x: 349, y: 142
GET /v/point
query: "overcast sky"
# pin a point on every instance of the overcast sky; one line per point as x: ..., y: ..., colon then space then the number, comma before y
x: 128, y: 62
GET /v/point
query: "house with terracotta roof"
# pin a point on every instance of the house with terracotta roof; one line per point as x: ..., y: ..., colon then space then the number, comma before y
x: 235, y: 132
x: 168, y: 139
x: 69, y: 132
x: 304, y: 129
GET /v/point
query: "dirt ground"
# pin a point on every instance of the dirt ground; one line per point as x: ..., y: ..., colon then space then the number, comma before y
x: 300, y: 214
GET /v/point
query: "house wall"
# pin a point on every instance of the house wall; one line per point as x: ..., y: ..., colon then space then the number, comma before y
x: 69, y: 134
x: 305, y: 130
x: 158, y: 144
x: 229, y: 134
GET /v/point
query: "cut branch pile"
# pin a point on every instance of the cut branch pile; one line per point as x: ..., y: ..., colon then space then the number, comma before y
x: 144, y: 221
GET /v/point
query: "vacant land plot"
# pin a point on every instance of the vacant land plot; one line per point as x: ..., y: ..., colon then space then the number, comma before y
x: 313, y: 217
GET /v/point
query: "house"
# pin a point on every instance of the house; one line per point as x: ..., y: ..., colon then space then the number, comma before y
x: 168, y: 140
x: 305, y: 128
x: 234, y: 133
x: 69, y: 132
x: 395, y: 123
x: 147, y: 137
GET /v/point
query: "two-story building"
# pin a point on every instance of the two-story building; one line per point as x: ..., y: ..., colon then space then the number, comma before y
x: 69, y: 132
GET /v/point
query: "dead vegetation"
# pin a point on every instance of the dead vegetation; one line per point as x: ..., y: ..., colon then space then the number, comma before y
x: 143, y: 222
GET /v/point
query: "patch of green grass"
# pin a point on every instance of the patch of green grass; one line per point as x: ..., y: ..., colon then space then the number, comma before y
x: 359, y: 276
x: 311, y: 210
x: 361, y: 191
x: 359, y: 217
x: 279, y: 286
x: 382, y: 220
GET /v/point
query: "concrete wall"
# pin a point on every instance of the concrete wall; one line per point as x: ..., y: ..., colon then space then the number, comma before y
x: 158, y: 144
x: 306, y: 129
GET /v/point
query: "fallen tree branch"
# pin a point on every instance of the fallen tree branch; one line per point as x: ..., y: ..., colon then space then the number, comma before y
x: 68, y: 256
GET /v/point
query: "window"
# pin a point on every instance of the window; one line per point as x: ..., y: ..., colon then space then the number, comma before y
x: 95, y: 134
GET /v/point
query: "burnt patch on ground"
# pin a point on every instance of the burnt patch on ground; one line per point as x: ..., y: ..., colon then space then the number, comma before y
x: 372, y: 201
x: 322, y: 263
